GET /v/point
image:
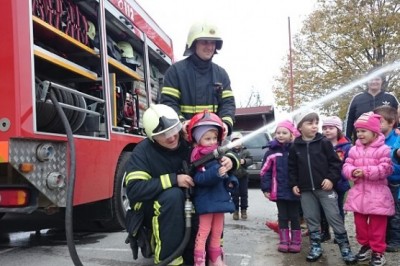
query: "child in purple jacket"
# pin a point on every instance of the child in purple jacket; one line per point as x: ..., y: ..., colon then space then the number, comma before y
x: 275, y: 186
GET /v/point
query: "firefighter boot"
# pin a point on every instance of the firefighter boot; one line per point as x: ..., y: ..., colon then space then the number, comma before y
x: 315, y: 248
x: 295, y: 243
x: 236, y: 215
x: 284, y: 240
x: 215, y: 257
x: 199, y: 258
x: 343, y: 242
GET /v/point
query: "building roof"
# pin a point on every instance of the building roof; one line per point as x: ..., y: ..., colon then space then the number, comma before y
x: 254, y: 110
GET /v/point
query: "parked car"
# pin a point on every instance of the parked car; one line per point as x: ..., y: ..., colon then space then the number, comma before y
x: 257, y: 148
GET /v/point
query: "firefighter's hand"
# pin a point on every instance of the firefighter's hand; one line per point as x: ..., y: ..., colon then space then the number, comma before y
x: 185, y: 181
x: 327, y: 184
x: 185, y: 125
x: 226, y: 162
x: 226, y: 130
x: 296, y: 190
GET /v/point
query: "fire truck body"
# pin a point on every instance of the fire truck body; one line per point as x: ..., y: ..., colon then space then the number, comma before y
x: 103, y: 84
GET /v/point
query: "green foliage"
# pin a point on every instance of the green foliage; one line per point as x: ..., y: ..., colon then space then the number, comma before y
x: 339, y: 43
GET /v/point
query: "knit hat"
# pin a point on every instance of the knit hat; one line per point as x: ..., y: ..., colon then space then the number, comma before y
x: 333, y: 121
x: 369, y: 121
x: 298, y: 118
x: 289, y: 125
x: 199, y: 131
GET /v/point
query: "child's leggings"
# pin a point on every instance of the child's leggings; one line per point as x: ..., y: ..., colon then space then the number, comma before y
x: 371, y: 231
x: 210, y: 222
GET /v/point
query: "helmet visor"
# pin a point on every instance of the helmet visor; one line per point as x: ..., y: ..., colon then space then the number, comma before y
x: 168, y: 133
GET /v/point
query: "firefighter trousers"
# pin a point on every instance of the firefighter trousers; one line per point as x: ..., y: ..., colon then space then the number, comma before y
x: 167, y: 219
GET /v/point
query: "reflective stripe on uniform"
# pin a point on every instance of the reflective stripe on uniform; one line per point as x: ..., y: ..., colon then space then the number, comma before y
x: 171, y: 92
x: 137, y: 206
x: 156, y: 231
x: 227, y: 120
x: 137, y: 175
x: 226, y: 94
x: 165, y: 181
x: 233, y: 157
x: 156, y: 234
x: 194, y: 109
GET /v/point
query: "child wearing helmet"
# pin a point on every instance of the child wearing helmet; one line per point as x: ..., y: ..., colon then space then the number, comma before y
x: 213, y: 187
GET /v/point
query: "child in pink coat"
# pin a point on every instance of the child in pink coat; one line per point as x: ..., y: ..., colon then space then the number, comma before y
x: 368, y: 165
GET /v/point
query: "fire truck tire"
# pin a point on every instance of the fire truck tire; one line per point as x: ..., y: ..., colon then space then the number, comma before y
x: 119, y: 201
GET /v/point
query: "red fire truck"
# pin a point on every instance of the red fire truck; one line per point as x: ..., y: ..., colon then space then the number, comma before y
x: 100, y: 62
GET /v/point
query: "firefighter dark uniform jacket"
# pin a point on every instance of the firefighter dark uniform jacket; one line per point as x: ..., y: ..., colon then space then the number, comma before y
x: 310, y: 162
x: 193, y: 85
x: 364, y: 102
x: 151, y: 184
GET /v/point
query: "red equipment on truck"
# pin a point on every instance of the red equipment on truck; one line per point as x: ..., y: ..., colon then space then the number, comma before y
x: 102, y: 63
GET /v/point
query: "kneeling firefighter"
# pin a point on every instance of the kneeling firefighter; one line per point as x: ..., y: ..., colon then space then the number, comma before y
x: 154, y: 186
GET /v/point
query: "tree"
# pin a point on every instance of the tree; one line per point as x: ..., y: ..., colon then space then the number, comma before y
x: 340, y: 42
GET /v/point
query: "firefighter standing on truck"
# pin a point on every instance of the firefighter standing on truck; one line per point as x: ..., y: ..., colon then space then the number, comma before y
x: 196, y: 83
x: 153, y: 182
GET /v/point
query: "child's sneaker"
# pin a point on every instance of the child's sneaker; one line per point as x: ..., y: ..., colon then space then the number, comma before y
x: 377, y: 259
x: 364, y: 253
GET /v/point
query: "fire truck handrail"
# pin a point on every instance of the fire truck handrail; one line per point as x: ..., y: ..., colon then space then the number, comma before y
x: 48, y: 84
x: 72, y: 107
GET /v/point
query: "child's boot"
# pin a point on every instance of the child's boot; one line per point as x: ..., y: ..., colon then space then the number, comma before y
x: 284, y: 240
x: 215, y: 257
x: 243, y: 214
x: 295, y: 243
x: 236, y: 215
x: 345, y: 250
x: 199, y: 258
x: 315, y: 249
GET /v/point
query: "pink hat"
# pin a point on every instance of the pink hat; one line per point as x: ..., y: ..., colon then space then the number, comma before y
x: 333, y: 121
x: 199, y: 131
x: 289, y: 125
x: 369, y: 121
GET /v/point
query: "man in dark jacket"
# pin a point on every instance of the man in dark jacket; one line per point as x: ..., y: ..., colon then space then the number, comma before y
x: 196, y: 83
x: 367, y: 101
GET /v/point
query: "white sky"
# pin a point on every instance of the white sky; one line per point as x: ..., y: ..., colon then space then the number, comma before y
x: 255, y: 35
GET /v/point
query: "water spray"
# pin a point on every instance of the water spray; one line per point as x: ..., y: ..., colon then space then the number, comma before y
x: 326, y: 98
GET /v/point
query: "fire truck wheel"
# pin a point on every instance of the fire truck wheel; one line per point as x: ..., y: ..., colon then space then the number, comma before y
x: 120, y: 201
x: 2, y: 214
